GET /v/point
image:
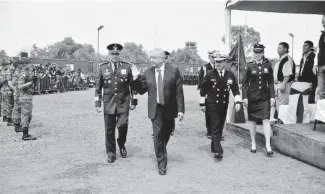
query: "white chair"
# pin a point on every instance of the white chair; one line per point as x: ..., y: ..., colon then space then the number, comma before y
x: 297, y: 111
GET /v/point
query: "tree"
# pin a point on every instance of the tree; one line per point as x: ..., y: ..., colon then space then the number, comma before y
x: 187, y: 55
x: 3, y: 54
x: 134, y: 53
x: 250, y: 36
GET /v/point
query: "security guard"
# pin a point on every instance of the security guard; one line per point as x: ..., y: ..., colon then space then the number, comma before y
x: 116, y: 78
x: 25, y: 81
x: 215, y: 98
x: 203, y: 71
x: 259, y: 95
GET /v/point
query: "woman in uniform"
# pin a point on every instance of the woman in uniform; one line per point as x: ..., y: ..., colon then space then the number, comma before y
x: 258, y: 95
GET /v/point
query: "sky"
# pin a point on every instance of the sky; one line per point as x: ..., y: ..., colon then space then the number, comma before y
x: 24, y: 23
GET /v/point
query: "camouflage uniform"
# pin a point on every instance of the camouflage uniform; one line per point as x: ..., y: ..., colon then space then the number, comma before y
x: 26, y: 103
x: 8, y: 98
x: 16, y: 113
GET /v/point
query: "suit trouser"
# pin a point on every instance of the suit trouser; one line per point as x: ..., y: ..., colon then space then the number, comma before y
x: 321, y: 82
x: 111, y: 121
x: 162, y: 128
x: 218, y: 119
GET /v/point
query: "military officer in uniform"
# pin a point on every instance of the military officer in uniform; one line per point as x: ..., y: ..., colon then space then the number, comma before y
x: 259, y: 95
x: 115, y: 78
x: 202, y: 72
x: 214, y: 93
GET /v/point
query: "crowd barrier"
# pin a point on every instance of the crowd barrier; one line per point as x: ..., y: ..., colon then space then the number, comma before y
x: 47, y: 84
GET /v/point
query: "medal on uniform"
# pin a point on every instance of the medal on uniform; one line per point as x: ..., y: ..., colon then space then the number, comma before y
x: 266, y: 70
x: 123, y: 71
x: 253, y: 72
x: 109, y: 81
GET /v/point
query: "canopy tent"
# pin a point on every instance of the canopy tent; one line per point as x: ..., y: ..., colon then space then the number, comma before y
x: 298, y: 7
x: 302, y: 7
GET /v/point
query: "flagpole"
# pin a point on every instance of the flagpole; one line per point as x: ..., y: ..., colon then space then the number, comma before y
x: 238, y: 58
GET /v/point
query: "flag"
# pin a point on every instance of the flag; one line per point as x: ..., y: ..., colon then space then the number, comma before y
x: 237, y: 56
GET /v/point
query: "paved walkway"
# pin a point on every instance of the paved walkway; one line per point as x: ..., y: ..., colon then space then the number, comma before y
x: 69, y: 156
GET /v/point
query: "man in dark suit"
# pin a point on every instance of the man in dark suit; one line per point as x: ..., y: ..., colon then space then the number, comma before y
x: 115, y: 78
x: 306, y: 69
x: 202, y: 72
x: 163, y: 82
x: 215, y: 98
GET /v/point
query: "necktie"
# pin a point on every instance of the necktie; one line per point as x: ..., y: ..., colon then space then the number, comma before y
x: 221, y: 74
x: 115, y: 67
x: 160, y: 87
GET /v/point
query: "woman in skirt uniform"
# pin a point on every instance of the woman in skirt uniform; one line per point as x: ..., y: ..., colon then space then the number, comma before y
x: 258, y: 95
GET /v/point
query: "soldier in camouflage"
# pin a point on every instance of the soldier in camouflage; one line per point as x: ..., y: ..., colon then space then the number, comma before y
x: 8, y: 101
x: 25, y: 81
x: 16, y: 112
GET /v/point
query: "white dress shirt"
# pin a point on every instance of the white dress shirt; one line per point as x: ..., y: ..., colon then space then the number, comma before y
x: 304, y: 58
x: 162, y: 68
x: 287, y: 67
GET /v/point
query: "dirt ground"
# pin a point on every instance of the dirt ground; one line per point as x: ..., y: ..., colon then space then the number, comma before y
x: 69, y: 156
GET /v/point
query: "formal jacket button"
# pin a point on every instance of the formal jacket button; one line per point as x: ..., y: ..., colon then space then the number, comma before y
x: 260, y: 77
x: 213, y: 86
x: 260, y: 87
x: 260, y: 82
x: 224, y: 95
x: 115, y: 82
x: 260, y: 72
x: 217, y: 89
x: 217, y: 101
x: 224, y: 102
x: 217, y: 95
x: 225, y: 90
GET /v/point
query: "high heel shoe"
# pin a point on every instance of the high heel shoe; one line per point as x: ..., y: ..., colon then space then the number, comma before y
x: 269, y: 153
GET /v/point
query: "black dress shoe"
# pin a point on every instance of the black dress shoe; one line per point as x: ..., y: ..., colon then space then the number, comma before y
x: 269, y: 153
x: 209, y: 136
x: 28, y: 137
x: 111, y: 159
x: 218, y: 156
x: 162, y: 171
x: 123, y: 152
x: 253, y: 150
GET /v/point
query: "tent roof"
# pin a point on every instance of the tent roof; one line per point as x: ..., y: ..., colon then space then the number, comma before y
x: 302, y: 7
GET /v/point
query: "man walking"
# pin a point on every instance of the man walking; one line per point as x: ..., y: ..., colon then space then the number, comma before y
x: 115, y: 78
x: 202, y: 73
x: 163, y: 82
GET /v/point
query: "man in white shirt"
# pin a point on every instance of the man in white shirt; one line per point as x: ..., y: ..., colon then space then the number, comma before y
x: 284, y: 74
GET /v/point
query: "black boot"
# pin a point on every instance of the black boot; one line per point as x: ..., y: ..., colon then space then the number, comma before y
x: 26, y: 136
x: 4, y: 119
x: 18, y: 128
x: 9, y: 122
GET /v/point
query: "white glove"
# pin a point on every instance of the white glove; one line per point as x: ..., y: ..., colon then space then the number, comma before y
x: 135, y: 71
x: 99, y: 109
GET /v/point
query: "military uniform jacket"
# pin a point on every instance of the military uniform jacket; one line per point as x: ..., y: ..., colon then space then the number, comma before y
x: 8, y: 77
x: 258, y: 84
x: 216, y: 89
x: 117, y: 92
x: 203, y: 71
